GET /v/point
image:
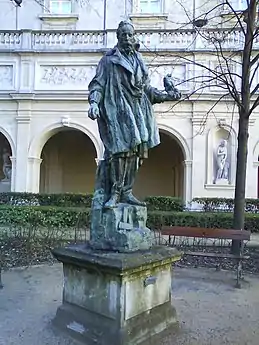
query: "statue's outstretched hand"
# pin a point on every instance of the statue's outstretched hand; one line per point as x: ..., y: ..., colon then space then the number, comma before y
x: 93, y: 111
x: 174, y: 95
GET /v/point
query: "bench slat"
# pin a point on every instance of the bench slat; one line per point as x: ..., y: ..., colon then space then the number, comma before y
x: 188, y: 231
x: 218, y: 255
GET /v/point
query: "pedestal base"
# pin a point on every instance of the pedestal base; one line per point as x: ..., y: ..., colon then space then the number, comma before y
x: 222, y: 181
x: 116, y: 298
x: 121, y: 229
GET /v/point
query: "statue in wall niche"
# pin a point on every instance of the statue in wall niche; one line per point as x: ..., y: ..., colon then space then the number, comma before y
x: 222, y: 163
x: 121, y: 99
x: 7, y: 165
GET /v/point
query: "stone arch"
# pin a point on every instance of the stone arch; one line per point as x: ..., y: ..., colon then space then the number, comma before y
x: 214, y: 136
x: 163, y: 173
x: 42, y: 176
x: 9, y: 139
x: 179, y: 138
x: 7, y: 166
x: 256, y: 153
x: 39, y: 140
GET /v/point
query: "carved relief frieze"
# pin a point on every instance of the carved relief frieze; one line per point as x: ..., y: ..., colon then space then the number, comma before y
x: 60, y: 77
x: 178, y: 72
x: 6, y: 77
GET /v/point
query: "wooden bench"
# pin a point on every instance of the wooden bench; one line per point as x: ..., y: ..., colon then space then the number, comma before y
x: 199, y: 234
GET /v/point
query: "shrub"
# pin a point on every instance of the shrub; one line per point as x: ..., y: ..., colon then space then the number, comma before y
x: 226, y: 204
x: 164, y: 203
x: 31, y: 199
x: 196, y: 219
x: 56, y: 217
x: 49, y: 217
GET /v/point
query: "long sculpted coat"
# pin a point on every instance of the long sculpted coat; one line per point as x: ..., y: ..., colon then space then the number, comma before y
x: 125, y: 97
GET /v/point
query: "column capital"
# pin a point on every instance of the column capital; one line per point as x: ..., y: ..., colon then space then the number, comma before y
x: 34, y: 160
x: 187, y: 163
x: 23, y: 119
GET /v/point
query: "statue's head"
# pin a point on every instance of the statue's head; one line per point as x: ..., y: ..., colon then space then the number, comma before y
x: 126, y: 36
x: 223, y: 143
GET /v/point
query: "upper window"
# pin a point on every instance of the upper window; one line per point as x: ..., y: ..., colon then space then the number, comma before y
x: 150, y: 6
x: 60, y: 6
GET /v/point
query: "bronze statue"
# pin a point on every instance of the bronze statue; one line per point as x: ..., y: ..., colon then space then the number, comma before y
x: 121, y: 99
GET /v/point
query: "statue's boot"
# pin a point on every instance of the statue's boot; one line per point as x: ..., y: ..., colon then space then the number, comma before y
x: 127, y: 195
x: 117, y: 177
x: 113, y: 201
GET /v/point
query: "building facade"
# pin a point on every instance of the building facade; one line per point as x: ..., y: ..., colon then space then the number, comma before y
x: 48, y: 55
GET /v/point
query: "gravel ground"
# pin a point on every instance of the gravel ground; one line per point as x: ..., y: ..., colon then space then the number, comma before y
x: 210, y: 310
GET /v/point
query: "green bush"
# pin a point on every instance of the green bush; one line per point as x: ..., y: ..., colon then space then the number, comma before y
x: 226, y: 204
x: 164, y: 203
x: 31, y: 199
x: 56, y: 217
x: 200, y: 219
x: 49, y: 217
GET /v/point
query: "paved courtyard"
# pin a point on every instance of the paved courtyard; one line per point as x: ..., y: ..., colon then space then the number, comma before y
x: 210, y: 310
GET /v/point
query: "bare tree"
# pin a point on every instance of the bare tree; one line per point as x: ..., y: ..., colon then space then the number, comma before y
x: 235, y: 74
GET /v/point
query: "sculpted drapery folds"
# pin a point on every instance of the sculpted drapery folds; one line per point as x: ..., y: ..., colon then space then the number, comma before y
x: 121, y: 98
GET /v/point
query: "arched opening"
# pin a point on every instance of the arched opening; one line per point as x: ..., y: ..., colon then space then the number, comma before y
x: 163, y: 172
x: 5, y: 164
x: 68, y: 163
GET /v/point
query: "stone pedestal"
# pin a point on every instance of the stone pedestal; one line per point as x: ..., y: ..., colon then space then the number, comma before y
x: 116, y: 298
x: 121, y: 229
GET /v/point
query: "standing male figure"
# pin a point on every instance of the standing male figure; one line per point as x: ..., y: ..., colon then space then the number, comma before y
x: 121, y: 99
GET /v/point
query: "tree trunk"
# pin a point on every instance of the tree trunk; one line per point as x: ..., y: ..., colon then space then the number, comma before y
x: 239, y: 202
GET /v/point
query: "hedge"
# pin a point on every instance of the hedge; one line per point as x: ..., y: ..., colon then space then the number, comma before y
x: 49, y: 217
x: 53, y: 217
x: 164, y: 203
x: 225, y: 204
x: 31, y: 199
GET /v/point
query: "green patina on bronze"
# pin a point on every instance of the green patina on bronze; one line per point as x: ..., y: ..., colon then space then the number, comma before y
x: 121, y: 99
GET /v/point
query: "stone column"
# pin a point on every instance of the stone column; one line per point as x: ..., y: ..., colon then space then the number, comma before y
x: 34, y: 174
x: 26, y: 72
x: 22, y: 141
x: 13, y: 160
x: 187, y: 185
x: 23, y: 130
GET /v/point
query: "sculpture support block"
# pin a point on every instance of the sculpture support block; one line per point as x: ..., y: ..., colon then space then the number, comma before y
x: 116, y: 298
x: 121, y: 229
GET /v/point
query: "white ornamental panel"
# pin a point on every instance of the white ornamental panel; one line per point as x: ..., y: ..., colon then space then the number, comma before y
x: 64, y: 77
x: 178, y: 72
x: 6, y: 77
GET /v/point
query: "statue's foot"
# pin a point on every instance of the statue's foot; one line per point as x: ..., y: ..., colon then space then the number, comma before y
x: 112, y: 202
x: 129, y: 198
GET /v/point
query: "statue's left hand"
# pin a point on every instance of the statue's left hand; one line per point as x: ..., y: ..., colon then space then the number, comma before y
x: 173, y: 95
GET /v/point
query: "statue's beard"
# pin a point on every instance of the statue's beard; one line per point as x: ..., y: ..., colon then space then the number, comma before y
x: 126, y: 48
